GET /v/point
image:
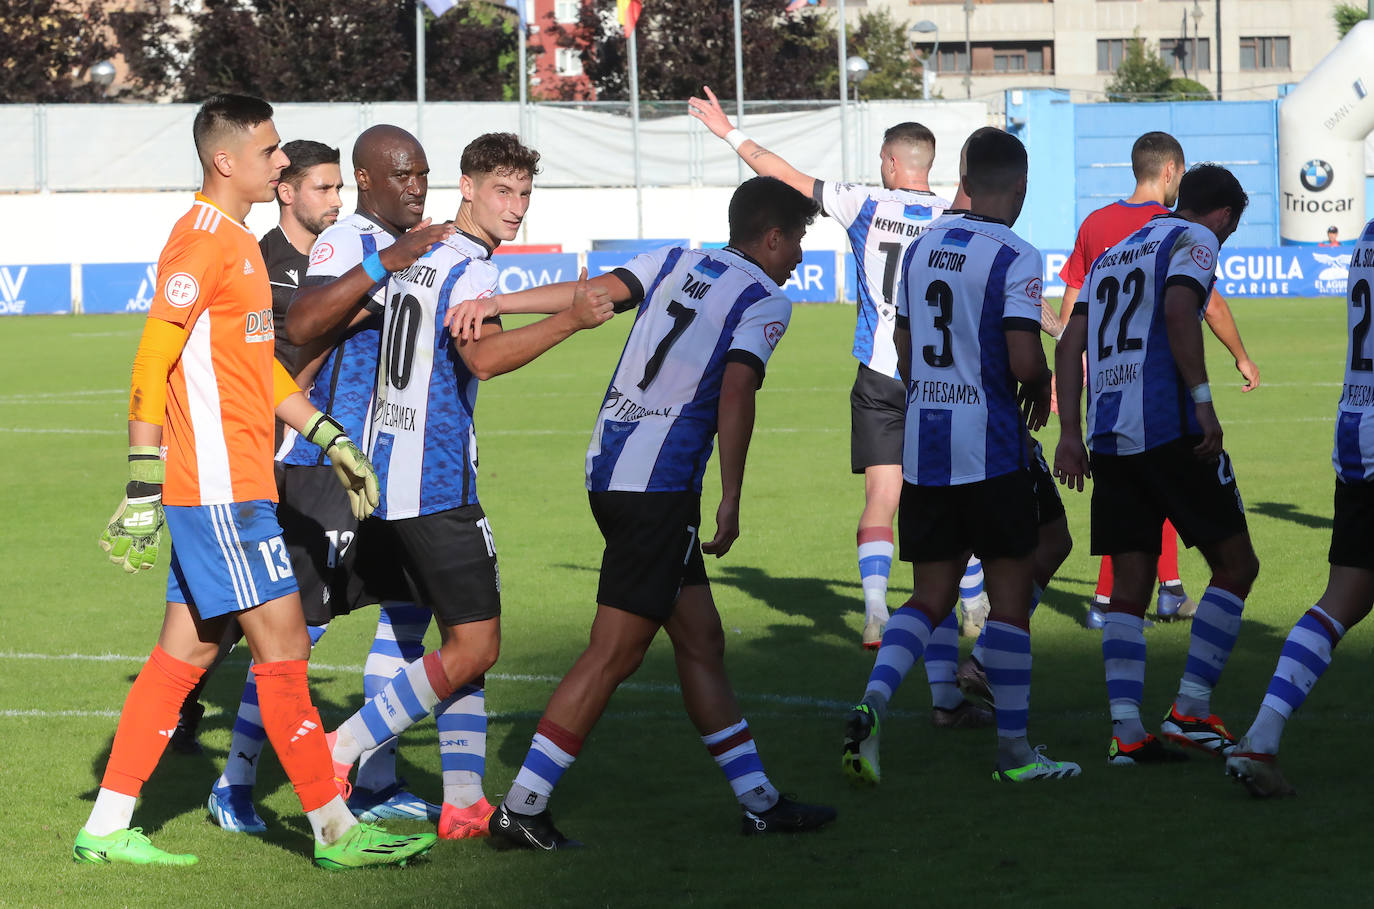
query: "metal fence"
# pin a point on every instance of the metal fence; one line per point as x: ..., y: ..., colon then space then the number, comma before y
x: 86, y: 147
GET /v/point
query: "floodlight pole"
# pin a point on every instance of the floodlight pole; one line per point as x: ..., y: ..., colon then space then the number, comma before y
x: 844, y: 98
x: 419, y: 72
x: 739, y: 85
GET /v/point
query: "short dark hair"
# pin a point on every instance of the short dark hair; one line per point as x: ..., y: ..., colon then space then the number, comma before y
x: 993, y: 160
x: 1208, y: 187
x: 221, y: 113
x: 1151, y: 152
x: 499, y: 153
x: 909, y: 132
x: 305, y: 154
x: 763, y: 203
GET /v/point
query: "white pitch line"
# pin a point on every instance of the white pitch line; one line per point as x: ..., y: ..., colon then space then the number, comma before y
x: 786, y: 700
x: 51, y: 395
x: 60, y: 431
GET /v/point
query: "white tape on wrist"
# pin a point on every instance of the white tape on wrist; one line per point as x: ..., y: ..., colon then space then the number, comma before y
x: 736, y: 138
x: 1202, y: 394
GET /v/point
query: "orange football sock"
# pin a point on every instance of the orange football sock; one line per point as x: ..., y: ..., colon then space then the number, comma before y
x: 294, y: 728
x: 147, y: 721
x: 1104, y: 579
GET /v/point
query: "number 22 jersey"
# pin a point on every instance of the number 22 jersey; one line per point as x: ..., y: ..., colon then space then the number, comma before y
x: 968, y: 280
x: 699, y: 310
x: 1353, y: 456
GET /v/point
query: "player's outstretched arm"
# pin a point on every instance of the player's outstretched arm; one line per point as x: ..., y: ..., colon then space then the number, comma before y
x: 464, y: 321
x: 1071, y: 455
x: 735, y: 428
x: 1185, y: 343
x: 318, y: 309
x: 1223, y: 324
x: 763, y: 161
x: 503, y: 351
x: 351, y: 466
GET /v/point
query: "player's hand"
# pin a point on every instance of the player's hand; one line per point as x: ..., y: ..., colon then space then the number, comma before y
x: 1071, y: 465
x: 464, y: 321
x: 1035, y: 402
x: 727, y: 529
x: 1250, y: 372
x: 351, y: 466
x: 414, y: 243
x: 591, y: 306
x: 134, y: 532
x: 1210, y: 446
x: 709, y: 112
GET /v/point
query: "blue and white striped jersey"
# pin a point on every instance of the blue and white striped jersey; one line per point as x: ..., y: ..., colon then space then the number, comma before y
x: 881, y: 224
x: 343, y: 386
x: 1136, y: 398
x: 700, y: 309
x: 424, y: 444
x: 1353, y: 456
x: 968, y: 281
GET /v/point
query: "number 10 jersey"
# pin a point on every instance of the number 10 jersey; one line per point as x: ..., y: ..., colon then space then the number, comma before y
x: 699, y: 309
x: 424, y: 445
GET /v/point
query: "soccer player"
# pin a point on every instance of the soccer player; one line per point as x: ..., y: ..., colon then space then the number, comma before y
x: 205, y: 371
x: 336, y: 314
x: 430, y: 540
x: 881, y: 222
x: 967, y: 333
x: 1157, y: 453
x: 1350, y: 583
x: 706, y: 324
x: 1158, y: 165
x: 307, y: 202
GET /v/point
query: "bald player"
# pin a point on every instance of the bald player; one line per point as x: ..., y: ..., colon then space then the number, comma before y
x: 881, y: 223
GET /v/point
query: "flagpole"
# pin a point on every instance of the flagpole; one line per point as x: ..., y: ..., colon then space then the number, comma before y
x: 739, y: 87
x: 419, y: 72
x: 634, y: 130
x: 844, y: 98
x: 523, y: 38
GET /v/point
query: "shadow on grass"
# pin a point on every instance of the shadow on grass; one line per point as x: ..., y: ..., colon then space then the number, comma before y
x: 1284, y: 511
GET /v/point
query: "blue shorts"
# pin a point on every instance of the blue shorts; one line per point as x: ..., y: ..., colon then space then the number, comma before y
x: 227, y: 558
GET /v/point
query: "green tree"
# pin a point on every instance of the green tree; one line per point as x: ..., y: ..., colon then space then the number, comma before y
x: 1186, y: 90
x: 1142, y: 75
x: 882, y: 42
x: 1347, y: 16
x: 47, y: 48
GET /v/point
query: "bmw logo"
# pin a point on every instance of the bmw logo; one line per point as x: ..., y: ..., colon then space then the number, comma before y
x: 1315, y: 175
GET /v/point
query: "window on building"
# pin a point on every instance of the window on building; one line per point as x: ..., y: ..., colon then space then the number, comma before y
x: 1178, y: 53
x: 1263, y: 53
x: 567, y: 10
x: 952, y: 61
x: 1110, y: 53
x: 567, y: 61
x: 1009, y: 59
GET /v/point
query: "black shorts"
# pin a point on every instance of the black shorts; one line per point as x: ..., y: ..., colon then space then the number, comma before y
x: 318, y: 526
x: 994, y: 518
x: 1352, y: 526
x: 1047, y: 499
x: 1133, y: 494
x: 652, y: 549
x: 877, y: 417
x: 444, y: 561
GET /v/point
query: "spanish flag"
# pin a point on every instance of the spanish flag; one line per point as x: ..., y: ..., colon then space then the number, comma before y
x: 627, y: 11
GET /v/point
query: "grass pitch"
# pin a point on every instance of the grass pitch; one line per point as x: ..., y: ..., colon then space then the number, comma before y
x: 660, y: 820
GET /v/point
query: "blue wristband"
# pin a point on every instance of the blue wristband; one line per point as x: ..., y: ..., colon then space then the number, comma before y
x: 374, y: 267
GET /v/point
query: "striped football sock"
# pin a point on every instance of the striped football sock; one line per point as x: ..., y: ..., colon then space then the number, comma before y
x: 1036, y: 593
x: 736, y: 754
x: 1304, y: 658
x: 906, y: 637
x: 552, y: 752
x: 1007, y: 653
x: 404, y: 701
x: 1215, y: 628
x: 971, y: 585
x: 399, y: 640
x: 875, y: 563
x: 942, y: 659
x: 462, y: 722
x: 1123, y: 657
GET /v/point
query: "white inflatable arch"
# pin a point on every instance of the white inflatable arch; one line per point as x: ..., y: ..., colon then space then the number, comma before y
x: 1322, y: 128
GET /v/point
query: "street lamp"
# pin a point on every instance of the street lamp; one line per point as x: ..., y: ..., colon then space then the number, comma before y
x: 968, y: 50
x: 857, y: 67
x: 1197, y: 19
x: 925, y: 27
x: 102, y: 75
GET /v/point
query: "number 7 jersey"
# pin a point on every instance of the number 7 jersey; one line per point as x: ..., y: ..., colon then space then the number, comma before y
x: 699, y: 310
x: 1136, y: 398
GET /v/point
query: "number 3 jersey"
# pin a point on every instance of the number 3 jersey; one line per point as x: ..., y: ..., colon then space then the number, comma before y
x: 424, y: 445
x: 1136, y: 398
x: 968, y: 281
x: 880, y: 224
x: 698, y: 311
x: 1353, y: 456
